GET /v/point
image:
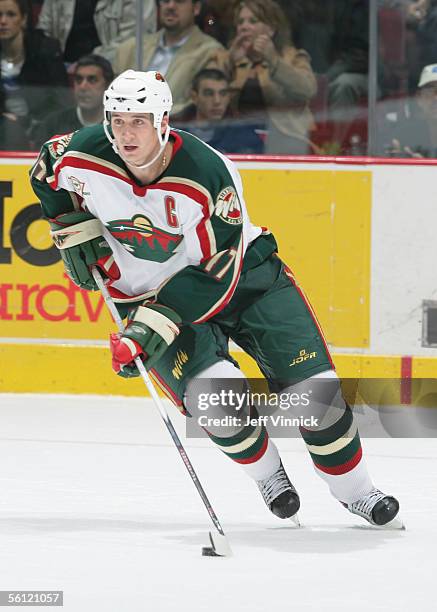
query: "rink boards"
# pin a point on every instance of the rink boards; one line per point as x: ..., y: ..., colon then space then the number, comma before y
x: 358, y: 235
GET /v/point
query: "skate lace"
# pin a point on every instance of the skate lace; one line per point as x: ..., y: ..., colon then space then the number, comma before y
x: 366, y: 504
x: 273, y: 486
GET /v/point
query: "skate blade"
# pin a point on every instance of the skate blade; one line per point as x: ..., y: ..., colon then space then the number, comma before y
x: 396, y: 524
x: 295, y: 520
x: 220, y: 545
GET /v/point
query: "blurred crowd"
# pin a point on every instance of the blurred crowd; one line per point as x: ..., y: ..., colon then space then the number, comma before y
x: 275, y: 77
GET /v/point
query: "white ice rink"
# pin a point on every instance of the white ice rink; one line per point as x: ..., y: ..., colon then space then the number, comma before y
x: 95, y: 501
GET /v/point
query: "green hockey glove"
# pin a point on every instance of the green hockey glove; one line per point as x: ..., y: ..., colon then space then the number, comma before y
x: 79, y: 238
x: 150, y: 330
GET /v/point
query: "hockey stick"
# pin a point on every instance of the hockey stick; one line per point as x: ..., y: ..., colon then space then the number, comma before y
x: 219, y: 544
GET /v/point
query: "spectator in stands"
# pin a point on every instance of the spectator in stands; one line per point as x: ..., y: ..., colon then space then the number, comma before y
x: 93, y: 26
x: 416, y: 134
x: 348, y: 71
x: 12, y: 135
x: 271, y: 80
x: 178, y: 50
x: 210, y: 119
x: 421, y: 21
x: 92, y: 75
x: 217, y: 16
x: 31, y: 68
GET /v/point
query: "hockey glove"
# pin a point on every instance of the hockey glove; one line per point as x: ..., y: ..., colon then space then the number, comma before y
x: 78, y: 236
x: 150, y: 330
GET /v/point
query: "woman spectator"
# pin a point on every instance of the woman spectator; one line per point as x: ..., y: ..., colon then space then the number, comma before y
x: 31, y: 69
x: 270, y: 78
x: 12, y: 135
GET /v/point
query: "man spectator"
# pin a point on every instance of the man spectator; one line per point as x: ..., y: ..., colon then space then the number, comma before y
x: 91, y: 77
x: 178, y: 50
x: 416, y: 135
x: 93, y: 26
x: 209, y: 117
x: 421, y: 24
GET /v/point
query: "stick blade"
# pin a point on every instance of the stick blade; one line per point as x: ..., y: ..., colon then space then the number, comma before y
x: 220, y: 545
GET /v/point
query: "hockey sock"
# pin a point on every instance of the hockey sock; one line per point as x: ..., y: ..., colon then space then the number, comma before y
x: 249, y: 445
x: 337, y: 456
x: 252, y: 449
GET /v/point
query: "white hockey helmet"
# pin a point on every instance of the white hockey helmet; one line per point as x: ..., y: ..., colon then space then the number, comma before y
x: 138, y: 92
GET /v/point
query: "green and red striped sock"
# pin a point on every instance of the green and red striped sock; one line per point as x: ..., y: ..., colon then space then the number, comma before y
x: 338, y: 458
x: 252, y: 449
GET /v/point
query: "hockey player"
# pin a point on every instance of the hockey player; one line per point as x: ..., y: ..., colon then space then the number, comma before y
x: 163, y: 217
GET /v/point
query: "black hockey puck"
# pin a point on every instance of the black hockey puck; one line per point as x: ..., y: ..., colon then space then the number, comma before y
x: 208, y: 551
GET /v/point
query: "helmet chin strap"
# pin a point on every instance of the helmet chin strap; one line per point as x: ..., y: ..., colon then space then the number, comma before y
x: 163, y: 139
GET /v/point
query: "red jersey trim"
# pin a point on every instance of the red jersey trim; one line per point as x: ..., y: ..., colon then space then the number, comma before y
x: 178, y: 142
x: 226, y: 298
x: 289, y: 274
x: 70, y: 161
x: 120, y: 297
x: 165, y: 388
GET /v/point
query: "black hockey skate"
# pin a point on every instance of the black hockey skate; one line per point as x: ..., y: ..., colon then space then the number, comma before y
x: 377, y: 508
x: 280, y: 495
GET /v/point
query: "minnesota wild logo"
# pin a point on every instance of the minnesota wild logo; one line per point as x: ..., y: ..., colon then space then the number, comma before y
x: 143, y: 240
x: 228, y: 207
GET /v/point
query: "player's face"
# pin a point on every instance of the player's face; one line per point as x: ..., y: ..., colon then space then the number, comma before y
x: 178, y: 15
x: 12, y: 22
x: 135, y: 136
x: 212, y: 99
x: 89, y: 87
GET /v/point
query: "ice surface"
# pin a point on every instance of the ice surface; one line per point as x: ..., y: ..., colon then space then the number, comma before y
x: 96, y: 502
